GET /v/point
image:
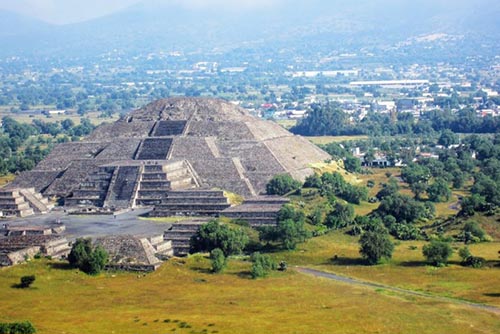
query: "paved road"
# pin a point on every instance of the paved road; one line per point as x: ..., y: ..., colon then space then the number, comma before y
x: 96, y: 225
x: 352, y: 281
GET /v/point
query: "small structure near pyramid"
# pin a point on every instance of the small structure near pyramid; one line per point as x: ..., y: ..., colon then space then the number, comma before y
x: 162, y: 154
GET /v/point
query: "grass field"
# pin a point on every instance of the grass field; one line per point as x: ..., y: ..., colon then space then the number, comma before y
x: 182, y: 297
x: 6, y: 179
x: 407, y: 269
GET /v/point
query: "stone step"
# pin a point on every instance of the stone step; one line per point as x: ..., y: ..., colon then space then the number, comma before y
x: 192, y: 206
x: 153, y: 176
x: 196, y: 200
x: 196, y: 193
x: 34, y: 202
x: 153, y: 185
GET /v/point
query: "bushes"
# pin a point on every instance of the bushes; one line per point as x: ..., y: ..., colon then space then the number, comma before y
x: 90, y: 260
x: 218, y: 260
x: 468, y: 260
x: 282, y: 184
x: 473, y: 233
x: 24, y: 327
x: 26, y: 281
x: 437, y: 253
x: 288, y: 233
x: 262, y: 265
x: 215, y: 235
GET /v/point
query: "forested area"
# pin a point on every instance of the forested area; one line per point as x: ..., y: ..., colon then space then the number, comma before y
x: 23, y: 145
x: 330, y: 120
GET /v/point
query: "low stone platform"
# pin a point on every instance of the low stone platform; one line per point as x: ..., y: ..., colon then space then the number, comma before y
x: 258, y: 211
x: 180, y: 235
x: 135, y: 254
x: 191, y: 203
x: 22, y: 202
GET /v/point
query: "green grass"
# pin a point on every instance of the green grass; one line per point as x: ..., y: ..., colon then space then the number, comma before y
x: 182, y: 297
x: 407, y: 269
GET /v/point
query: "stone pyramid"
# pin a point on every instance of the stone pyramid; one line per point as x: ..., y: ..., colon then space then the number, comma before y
x: 172, y: 144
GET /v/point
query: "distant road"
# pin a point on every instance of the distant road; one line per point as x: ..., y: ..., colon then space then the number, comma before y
x: 352, y: 281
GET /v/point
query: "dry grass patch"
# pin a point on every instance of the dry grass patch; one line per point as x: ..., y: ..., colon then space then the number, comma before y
x: 182, y: 297
x: 407, y: 269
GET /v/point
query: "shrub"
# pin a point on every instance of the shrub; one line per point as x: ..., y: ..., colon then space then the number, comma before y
x: 218, y: 260
x: 288, y: 232
x: 262, y: 264
x: 473, y: 233
x: 216, y: 235
x: 24, y: 327
x: 282, y: 184
x: 90, y: 260
x: 26, y: 281
x: 437, y: 252
x: 469, y: 260
x: 375, y: 245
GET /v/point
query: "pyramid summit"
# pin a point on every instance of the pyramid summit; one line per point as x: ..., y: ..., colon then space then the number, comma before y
x: 175, y: 144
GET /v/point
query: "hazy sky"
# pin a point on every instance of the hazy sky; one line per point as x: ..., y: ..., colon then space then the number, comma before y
x: 69, y: 11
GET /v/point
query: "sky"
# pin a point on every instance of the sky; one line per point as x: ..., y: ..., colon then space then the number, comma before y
x: 71, y: 11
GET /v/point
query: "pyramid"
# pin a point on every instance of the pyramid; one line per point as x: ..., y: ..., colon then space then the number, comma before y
x: 172, y: 144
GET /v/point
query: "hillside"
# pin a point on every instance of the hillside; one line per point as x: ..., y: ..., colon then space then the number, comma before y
x: 154, y: 25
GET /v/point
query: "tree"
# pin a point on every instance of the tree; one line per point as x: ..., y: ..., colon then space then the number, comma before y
x: 439, y: 191
x: 472, y: 204
x: 437, y: 252
x: 352, y: 164
x: 288, y: 233
x: 376, y: 245
x: 216, y: 235
x: 447, y: 138
x: 282, y: 184
x: 218, y: 260
x: 341, y: 216
x: 89, y: 259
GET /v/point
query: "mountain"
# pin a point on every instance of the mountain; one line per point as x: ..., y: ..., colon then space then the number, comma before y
x: 154, y: 25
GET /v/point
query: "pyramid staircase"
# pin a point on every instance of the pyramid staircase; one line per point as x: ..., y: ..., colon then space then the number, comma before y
x: 191, y: 203
x: 23, y: 202
x: 156, y: 180
x: 180, y: 235
x: 94, y: 190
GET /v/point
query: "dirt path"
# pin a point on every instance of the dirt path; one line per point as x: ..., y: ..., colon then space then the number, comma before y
x: 352, y: 281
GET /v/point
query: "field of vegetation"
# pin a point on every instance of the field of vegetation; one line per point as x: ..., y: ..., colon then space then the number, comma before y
x: 183, y: 297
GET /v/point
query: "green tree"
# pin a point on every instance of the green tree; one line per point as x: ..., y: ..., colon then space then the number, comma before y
x: 341, y: 216
x: 447, y: 138
x: 439, y: 191
x: 282, y: 184
x: 218, y: 260
x: 352, y: 164
x: 288, y: 233
x: 437, y: 252
x: 376, y: 245
x: 216, y: 235
x: 89, y: 259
